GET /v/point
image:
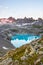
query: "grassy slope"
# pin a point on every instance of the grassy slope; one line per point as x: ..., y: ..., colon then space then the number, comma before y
x: 29, y: 54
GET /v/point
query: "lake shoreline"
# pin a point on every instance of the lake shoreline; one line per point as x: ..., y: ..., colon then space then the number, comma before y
x: 22, y: 39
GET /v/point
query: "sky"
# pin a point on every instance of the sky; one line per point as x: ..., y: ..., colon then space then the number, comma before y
x: 21, y: 8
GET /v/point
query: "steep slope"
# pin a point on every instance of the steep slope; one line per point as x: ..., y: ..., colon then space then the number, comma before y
x: 29, y: 54
x: 5, y: 45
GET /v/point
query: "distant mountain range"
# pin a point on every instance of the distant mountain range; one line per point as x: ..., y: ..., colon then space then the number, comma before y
x: 20, y: 20
x: 26, y: 25
x: 7, y: 20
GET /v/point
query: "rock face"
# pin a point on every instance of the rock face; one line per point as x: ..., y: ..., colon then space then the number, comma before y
x: 29, y: 54
x: 5, y: 45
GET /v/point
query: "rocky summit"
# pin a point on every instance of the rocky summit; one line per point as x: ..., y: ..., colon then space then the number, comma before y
x: 29, y: 54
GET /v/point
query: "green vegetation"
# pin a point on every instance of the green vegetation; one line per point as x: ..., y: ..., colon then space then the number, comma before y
x: 41, y: 49
x: 25, y: 55
x: 37, y: 26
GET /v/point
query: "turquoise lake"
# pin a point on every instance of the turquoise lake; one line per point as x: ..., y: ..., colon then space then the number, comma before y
x: 21, y: 39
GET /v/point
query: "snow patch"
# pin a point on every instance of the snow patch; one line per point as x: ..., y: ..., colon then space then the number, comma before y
x: 4, y: 47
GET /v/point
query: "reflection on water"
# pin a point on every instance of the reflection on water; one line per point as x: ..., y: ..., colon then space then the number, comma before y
x: 21, y: 39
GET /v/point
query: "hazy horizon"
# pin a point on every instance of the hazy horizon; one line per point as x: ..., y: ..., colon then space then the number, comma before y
x: 21, y: 8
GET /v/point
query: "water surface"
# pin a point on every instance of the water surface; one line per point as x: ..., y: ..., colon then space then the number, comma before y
x: 21, y: 39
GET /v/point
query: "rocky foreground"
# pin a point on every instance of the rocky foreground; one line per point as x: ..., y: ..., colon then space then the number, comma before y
x: 29, y: 54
